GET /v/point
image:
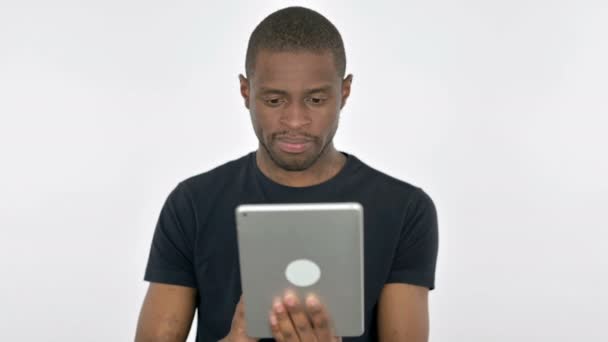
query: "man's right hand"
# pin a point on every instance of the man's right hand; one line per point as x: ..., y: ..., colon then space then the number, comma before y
x: 238, y: 329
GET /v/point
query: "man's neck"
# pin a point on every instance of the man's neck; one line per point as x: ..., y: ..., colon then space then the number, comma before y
x: 325, y: 168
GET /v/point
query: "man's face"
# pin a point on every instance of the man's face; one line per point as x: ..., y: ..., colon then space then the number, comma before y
x: 295, y: 99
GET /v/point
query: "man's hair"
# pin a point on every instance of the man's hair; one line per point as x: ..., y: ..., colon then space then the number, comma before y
x: 296, y: 29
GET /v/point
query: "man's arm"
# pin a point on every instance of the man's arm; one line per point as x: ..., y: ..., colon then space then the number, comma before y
x: 403, y: 313
x: 166, y: 314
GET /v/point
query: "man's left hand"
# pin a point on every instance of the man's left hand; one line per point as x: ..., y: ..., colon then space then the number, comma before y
x: 293, y: 321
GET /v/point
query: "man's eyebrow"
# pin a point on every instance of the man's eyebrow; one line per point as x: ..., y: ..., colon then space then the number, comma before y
x: 323, y: 89
x: 265, y: 90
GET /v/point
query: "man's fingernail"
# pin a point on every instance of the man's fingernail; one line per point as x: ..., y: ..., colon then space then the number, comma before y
x: 278, y: 306
x: 312, y: 301
x: 273, y: 319
x: 290, y: 299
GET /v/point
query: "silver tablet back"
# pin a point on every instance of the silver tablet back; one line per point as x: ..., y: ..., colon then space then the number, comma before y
x: 309, y: 248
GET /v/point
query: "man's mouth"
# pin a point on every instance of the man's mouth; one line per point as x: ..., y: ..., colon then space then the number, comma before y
x: 289, y: 145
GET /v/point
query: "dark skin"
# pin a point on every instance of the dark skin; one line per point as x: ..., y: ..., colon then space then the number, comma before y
x: 294, y: 100
x: 296, y: 97
x: 289, y: 319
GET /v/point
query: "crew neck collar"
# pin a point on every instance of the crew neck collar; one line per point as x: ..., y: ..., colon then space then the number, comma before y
x: 278, y: 187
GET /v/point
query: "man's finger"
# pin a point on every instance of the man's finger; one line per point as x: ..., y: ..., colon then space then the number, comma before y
x: 239, y: 316
x: 288, y: 332
x: 321, y: 321
x: 299, y: 317
x: 274, y: 327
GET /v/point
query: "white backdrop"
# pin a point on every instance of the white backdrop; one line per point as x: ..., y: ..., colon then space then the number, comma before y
x: 498, y: 109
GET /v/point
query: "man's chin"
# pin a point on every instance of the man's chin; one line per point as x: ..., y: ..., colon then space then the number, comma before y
x: 293, y: 161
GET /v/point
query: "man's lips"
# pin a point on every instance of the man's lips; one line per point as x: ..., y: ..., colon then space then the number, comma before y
x: 293, y: 139
x: 293, y: 145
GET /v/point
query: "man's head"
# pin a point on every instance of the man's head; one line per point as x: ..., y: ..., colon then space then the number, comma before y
x: 295, y: 86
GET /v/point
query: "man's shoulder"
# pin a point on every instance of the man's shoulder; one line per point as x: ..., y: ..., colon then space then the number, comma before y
x: 387, y: 183
x: 396, y: 194
x: 217, y: 177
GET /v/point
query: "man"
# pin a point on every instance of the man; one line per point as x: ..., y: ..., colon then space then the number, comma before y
x: 294, y: 90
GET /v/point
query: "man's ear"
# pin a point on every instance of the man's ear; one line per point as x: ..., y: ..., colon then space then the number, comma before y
x: 244, y: 89
x: 346, y: 83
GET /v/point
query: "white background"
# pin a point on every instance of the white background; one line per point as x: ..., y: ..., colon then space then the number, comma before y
x: 498, y: 109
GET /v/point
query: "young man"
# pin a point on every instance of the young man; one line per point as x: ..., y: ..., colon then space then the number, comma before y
x: 294, y: 90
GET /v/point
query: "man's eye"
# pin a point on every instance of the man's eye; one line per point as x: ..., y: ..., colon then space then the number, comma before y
x: 273, y: 102
x: 316, y: 100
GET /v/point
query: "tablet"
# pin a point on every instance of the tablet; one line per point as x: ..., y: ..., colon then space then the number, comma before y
x: 309, y: 248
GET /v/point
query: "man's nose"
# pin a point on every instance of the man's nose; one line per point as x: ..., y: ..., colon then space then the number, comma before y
x: 295, y: 115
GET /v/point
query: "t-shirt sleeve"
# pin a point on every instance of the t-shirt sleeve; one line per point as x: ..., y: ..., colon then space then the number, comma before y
x: 416, y: 254
x: 171, y: 259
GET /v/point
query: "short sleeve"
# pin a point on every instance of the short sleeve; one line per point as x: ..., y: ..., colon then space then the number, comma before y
x: 171, y: 258
x: 416, y: 254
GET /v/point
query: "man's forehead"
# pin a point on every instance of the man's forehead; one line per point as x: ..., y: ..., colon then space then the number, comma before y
x: 269, y: 54
x: 273, y: 66
x: 267, y: 89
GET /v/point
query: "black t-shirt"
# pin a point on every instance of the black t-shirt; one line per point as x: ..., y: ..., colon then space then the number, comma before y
x: 195, y: 245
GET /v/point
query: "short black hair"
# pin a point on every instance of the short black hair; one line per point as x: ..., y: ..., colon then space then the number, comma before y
x: 295, y: 29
